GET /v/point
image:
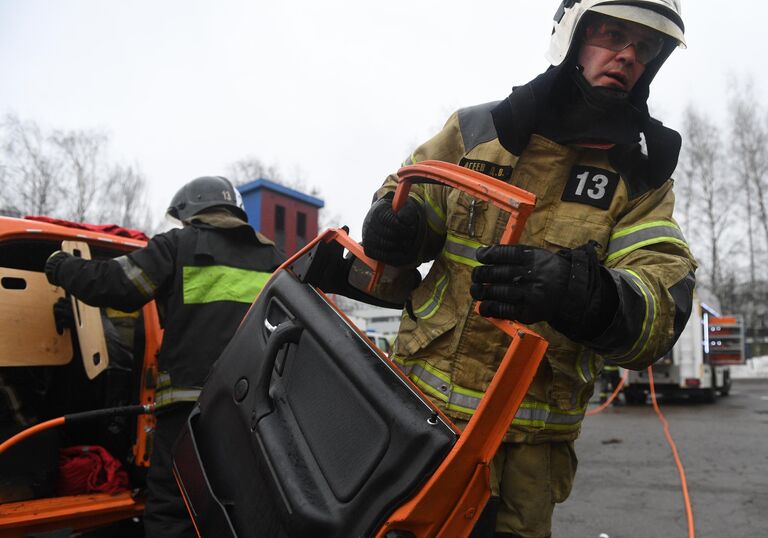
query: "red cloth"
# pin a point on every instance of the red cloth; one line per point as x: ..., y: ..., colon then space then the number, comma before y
x: 112, y: 229
x: 89, y: 469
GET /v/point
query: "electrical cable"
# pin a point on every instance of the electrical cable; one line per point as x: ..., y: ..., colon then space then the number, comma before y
x: 612, y: 397
x: 678, y: 462
x: 667, y: 434
x: 74, y: 417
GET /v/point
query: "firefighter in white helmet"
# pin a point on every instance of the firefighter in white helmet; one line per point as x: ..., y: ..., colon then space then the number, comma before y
x: 602, y: 270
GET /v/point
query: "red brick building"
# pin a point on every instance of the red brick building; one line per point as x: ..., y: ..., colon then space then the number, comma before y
x: 285, y: 215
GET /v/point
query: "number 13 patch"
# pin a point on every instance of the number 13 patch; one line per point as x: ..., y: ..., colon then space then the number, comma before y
x: 591, y: 186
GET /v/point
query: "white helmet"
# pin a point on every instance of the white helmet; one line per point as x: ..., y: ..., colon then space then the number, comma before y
x: 661, y: 15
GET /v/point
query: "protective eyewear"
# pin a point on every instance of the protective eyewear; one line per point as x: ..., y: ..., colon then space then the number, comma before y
x: 616, y: 35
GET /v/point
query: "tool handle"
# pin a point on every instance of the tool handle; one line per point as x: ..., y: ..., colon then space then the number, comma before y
x: 517, y: 202
x: 401, y: 196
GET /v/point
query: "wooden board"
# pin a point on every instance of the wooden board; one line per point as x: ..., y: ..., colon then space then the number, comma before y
x: 28, y: 334
x: 90, y: 331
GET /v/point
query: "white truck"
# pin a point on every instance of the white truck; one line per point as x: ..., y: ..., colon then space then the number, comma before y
x: 697, y: 367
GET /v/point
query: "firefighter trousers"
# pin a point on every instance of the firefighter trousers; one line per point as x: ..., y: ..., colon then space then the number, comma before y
x: 529, y: 480
x: 165, y: 515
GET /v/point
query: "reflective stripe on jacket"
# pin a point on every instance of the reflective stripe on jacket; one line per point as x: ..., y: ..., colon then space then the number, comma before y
x: 452, y: 353
x: 166, y: 394
x: 203, y: 278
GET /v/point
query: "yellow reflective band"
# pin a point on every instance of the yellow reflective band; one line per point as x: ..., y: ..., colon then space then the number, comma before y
x: 174, y: 395
x: 425, y: 365
x: 114, y: 313
x: 649, y: 233
x: 468, y: 392
x: 464, y: 400
x: 165, y: 394
x: 541, y: 415
x: 211, y: 283
x: 163, y: 380
x: 460, y: 409
x: 464, y: 241
x: 586, y: 366
x: 643, y: 226
x: 641, y: 244
x: 137, y: 276
x: 545, y: 425
x: 646, y: 332
x: 435, y: 215
x: 461, y: 250
x: 438, y: 210
x: 432, y: 305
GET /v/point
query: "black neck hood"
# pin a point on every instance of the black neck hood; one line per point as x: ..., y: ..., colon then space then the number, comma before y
x: 571, y: 111
x: 561, y: 106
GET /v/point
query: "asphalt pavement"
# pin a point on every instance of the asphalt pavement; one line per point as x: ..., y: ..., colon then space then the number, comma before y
x: 628, y: 486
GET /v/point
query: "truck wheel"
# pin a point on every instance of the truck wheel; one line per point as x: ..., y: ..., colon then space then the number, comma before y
x: 707, y: 396
x: 727, y: 382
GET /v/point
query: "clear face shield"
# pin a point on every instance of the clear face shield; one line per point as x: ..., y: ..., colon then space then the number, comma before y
x: 172, y: 222
x: 662, y: 16
x: 616, y: 35
x: 239, y: 200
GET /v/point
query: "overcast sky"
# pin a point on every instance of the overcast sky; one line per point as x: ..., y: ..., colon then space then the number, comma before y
x: 336, y: 92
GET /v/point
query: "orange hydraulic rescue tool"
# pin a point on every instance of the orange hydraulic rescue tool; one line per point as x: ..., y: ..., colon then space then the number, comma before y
x: 464, y: 475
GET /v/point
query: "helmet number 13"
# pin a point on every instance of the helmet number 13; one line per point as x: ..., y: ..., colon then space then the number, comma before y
x: 596, y: 189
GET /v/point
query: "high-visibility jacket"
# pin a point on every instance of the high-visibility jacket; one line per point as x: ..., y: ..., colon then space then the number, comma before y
x: 451, y: 352
x: 204, y: 278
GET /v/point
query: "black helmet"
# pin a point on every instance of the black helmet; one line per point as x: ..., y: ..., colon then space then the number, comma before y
x: 203, y: 193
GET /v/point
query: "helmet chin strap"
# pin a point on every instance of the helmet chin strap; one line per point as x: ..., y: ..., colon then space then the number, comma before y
x: 571, y: 111
x: 599, y: 97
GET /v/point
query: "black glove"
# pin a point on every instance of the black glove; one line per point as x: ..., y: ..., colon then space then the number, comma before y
x: 63, y: 315
x: 52, y: 266
x: 327, y: 268
x: 568, y: 289
x: 394, y: 238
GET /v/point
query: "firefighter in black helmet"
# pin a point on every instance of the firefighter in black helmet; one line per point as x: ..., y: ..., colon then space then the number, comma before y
x: 204, y: 276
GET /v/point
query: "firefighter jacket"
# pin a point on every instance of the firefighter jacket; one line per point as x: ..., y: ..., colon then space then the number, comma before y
x: 583, y: 194
x: 204, y: 278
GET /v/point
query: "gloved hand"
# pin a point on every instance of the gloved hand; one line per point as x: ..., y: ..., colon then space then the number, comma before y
x: 52, y: 265
x: 332, y: 272
x: 63, y: 315
x: 394, y: 238
x: 529, y: 284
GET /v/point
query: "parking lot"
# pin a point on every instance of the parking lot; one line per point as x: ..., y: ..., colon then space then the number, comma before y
x: 628, y: 486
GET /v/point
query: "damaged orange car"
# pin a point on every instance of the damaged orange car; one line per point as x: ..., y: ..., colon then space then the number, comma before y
x: 76, y: 386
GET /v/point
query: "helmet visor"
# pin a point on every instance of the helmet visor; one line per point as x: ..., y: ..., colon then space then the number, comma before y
x: 616, y: 35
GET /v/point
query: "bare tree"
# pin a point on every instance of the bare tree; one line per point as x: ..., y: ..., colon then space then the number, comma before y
x: 749, y: 151
x: 32, y: 172
x: 710, y: 196
x: 124, y: 198
x: 67, y: 174
x: 250, y: 168
x: 84, y: 166
x: 6, y: 207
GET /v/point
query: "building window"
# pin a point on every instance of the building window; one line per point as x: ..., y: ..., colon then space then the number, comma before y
x: 301, y: 229
x: 280, y: 227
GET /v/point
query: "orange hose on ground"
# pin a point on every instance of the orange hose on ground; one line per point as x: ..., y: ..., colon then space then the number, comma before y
x: 613, y: 396
x: 8, y: 443
x: 668, y: 435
